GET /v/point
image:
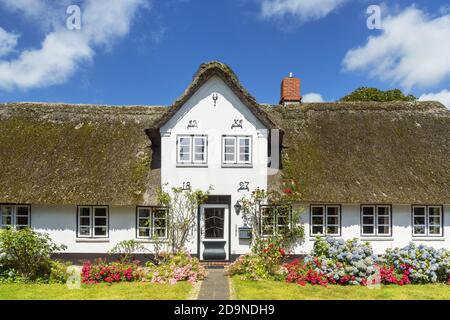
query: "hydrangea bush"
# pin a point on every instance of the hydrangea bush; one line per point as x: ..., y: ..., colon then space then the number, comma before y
x: 424, y: 264
x: 176, y: 267
x: 343, y: 262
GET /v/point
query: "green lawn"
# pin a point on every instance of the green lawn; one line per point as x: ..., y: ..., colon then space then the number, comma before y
x: 118, y: 291
x: 273, y: 290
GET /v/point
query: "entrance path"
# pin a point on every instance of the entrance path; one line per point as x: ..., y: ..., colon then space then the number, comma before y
x: 215, y: 286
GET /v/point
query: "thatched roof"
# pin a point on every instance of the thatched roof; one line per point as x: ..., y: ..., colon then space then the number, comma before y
x: 393, y: 152
x: 205, y: 72
x: 76, y: 154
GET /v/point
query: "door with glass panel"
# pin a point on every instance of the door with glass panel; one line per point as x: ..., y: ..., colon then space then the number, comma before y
x: 214, y: 235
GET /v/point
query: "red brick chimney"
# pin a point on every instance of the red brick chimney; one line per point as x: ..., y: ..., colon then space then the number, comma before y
x: 290, y: 90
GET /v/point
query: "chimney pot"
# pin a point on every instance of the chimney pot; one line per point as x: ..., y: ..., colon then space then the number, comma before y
x: 290, y: 90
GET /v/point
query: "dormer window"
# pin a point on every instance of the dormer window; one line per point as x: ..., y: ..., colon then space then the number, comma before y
x: 192, y: 149
x: 237, y: 150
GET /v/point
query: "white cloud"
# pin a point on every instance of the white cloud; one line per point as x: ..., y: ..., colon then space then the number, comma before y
x: 8, y: 42
x: 312, y: 97
x: 442, y: 96
x: 63, y: 51
x: 412, y: 50
x: 304, y: 10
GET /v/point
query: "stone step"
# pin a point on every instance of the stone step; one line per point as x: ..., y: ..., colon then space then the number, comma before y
x: 215, y: 264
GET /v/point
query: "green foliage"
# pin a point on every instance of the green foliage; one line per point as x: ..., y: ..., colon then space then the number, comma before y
x: 59, y: 271
x: 27, y: 253
x: 182, y: 208
x: 374, y: 94
x: 126, y: 249
x: 263, y: 263
x: 176, y: 267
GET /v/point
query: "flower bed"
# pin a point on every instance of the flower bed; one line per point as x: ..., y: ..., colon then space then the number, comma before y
x: 335, y: 261
x: 174, y: 268
x: 101, y: 271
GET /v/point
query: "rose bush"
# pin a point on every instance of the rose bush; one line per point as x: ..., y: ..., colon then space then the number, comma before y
x: 264, y: 262
x: 102, y: 271
x: 176, y: 267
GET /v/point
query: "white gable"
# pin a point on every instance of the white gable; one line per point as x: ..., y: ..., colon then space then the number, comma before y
x: 210, y: 115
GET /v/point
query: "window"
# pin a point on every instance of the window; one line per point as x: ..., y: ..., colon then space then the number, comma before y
x: 326, y: 220
x: 15, y: 216
x: 376, y: 220
x: 237, y: 150
x: 192, y: 149
x: 151, y: 222
x: 275, y: 219
x: 93, y: 222
x: 427, y: 221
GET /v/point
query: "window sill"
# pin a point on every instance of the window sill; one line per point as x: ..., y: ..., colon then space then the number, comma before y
x: 94, y: 240
x: 151, y: 241
x: 313, y: 237
x: 429, y: 239
x: 191, y: 165
x: 237, y: 165
x: 375, y: 238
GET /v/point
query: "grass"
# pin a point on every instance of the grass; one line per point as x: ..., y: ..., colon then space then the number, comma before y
x: 274, y: 290
x: 118, y: 291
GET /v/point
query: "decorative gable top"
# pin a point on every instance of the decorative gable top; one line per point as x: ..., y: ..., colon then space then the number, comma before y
x: 205, y: 72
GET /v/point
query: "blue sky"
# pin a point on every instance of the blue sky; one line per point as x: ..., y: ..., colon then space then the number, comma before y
x: 146, y: 52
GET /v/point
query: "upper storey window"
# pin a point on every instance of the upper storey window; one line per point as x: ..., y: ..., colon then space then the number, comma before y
x: 237, y: 150
x: 192, y: 149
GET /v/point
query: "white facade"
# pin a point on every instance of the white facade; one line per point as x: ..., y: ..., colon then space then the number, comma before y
x: 60, y: 223
x: 215, y: 119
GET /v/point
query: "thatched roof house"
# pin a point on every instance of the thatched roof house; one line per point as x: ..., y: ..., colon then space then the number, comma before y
x: 395, y: 152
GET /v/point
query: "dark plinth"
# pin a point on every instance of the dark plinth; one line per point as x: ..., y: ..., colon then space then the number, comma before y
x: 214, y: 250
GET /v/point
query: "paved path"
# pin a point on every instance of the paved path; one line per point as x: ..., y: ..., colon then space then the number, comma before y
x: 215, y: 286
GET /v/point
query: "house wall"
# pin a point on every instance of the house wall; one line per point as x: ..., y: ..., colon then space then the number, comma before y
x: 215, y: 121
x: 60, y: 223
x: 401, y: 229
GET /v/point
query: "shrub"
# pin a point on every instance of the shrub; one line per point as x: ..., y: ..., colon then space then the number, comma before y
x: 101, y: 271
x: 59, y: 271
x: 391, y: 275
x: 126, y: 249
x: 26, y: 253
x: 263, y: 263
x: 343, y: 262
x: 425, y: 264
x: 176, y: 267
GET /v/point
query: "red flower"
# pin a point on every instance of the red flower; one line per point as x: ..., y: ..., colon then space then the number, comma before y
x: 287, y: 190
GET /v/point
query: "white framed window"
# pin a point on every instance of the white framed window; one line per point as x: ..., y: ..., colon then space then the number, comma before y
x: 192, y: 149
x: 152, y: 222
x: 93, y: 222
x: 376, y: 220
x: 325, y: 220
x: 15, y: 216
x: 237, y: 150
x: 427, y: 221
x: 275, y: 219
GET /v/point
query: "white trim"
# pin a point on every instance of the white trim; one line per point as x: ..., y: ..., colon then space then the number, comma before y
x: 14, y: 215
x: 106, y: 226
